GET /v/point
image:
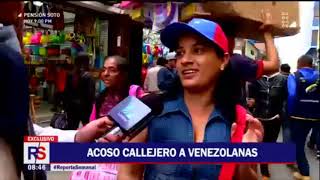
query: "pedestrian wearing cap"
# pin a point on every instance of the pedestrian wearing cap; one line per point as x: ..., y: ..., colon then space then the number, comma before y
x: 204, y: 111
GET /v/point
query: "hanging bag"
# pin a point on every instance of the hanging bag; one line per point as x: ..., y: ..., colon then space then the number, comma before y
x: 60, y: 120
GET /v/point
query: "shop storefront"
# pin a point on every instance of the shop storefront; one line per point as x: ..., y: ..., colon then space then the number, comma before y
x: 52, y: 39
x: 55, y: 33
x: 53, y: 36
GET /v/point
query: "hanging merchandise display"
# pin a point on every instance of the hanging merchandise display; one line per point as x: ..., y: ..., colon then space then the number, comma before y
x: 152, y: 48
x: 164, y: 14
x: 129, y: 5
x: 155, y: 15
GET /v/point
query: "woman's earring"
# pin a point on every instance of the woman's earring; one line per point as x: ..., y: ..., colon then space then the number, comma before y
x: 222, y: 67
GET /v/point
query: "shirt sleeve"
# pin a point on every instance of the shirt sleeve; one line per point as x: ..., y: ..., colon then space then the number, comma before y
x: 162, y: 77
x: 166, y: 80
x: 63, y: 135
x: 291, y: 84
x: 146, y: 81
x: 246, y: 68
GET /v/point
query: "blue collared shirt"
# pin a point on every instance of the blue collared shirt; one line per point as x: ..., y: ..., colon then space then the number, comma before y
x: 174, y: 125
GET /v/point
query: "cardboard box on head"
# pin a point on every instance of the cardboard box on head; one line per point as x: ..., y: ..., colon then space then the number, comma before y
x: 244, y: 18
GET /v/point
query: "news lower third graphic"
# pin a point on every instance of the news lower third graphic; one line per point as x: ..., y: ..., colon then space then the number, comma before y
x: 36, y: 152
x: 45, y: 153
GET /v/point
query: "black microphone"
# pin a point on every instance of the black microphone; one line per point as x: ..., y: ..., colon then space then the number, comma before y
x: 132, y: 115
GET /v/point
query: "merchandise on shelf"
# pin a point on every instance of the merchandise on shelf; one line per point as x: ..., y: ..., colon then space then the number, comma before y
x: 27, y: 38
x: 35, y: 39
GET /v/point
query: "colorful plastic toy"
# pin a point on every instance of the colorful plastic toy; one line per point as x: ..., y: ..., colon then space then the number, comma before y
x: 43, y: 51
x: 70, y: 37
x: 144, y: 58
x: 35, y: 39
x: 44, y: 39
x: 148, y: 49
x: 34, y: 49
x: 54, y: 39
x: 62, y: 37
x: 26, y: 40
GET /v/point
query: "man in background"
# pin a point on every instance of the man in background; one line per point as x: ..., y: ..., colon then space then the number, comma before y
x: 269, y: 95
x: 167, y: 77
x: 303, y: 110
x: 285, y: 69
x: 151, y: 81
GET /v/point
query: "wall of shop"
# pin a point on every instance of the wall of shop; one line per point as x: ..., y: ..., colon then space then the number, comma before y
x: 125, y: 39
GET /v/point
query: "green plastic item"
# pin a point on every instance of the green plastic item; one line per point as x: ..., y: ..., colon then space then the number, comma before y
x: 62, y: 37
x: 43, y: 51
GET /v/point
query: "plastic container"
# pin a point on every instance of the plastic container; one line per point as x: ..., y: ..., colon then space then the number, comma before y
x: 43, y: 51
x: 35, y: 49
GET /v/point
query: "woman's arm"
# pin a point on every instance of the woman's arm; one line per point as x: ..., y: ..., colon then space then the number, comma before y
x: 272, y: 64
x: 133, y: 171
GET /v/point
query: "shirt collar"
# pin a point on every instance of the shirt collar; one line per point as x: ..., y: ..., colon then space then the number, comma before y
x: 271, y: 76
x: 178, y: 104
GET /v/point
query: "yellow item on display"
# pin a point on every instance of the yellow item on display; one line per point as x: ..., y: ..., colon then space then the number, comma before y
x: 28, y: 34
x: 136, y: 14
x: 144, y: 58
x: 44, y: 39
x: 43, y: 51
x: 26, y: 40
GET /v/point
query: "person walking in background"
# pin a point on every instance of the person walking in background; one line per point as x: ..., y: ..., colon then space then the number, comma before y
x: 303, y: 110
x: 116, y: 79
x: 167, y: 77
x: 269, y: 95
x: 285, y: 69
x: 245, y: 68
x: 50, y: 74
x: 60, y: 83
x: 151, y: 81
x: 315, y: 133
x: 79, y: 93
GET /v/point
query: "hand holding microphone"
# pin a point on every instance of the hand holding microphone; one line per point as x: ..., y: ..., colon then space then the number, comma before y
x: 131, y: 116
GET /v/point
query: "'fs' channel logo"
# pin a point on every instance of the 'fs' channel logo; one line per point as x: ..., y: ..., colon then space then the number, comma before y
x: 36, y: 151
